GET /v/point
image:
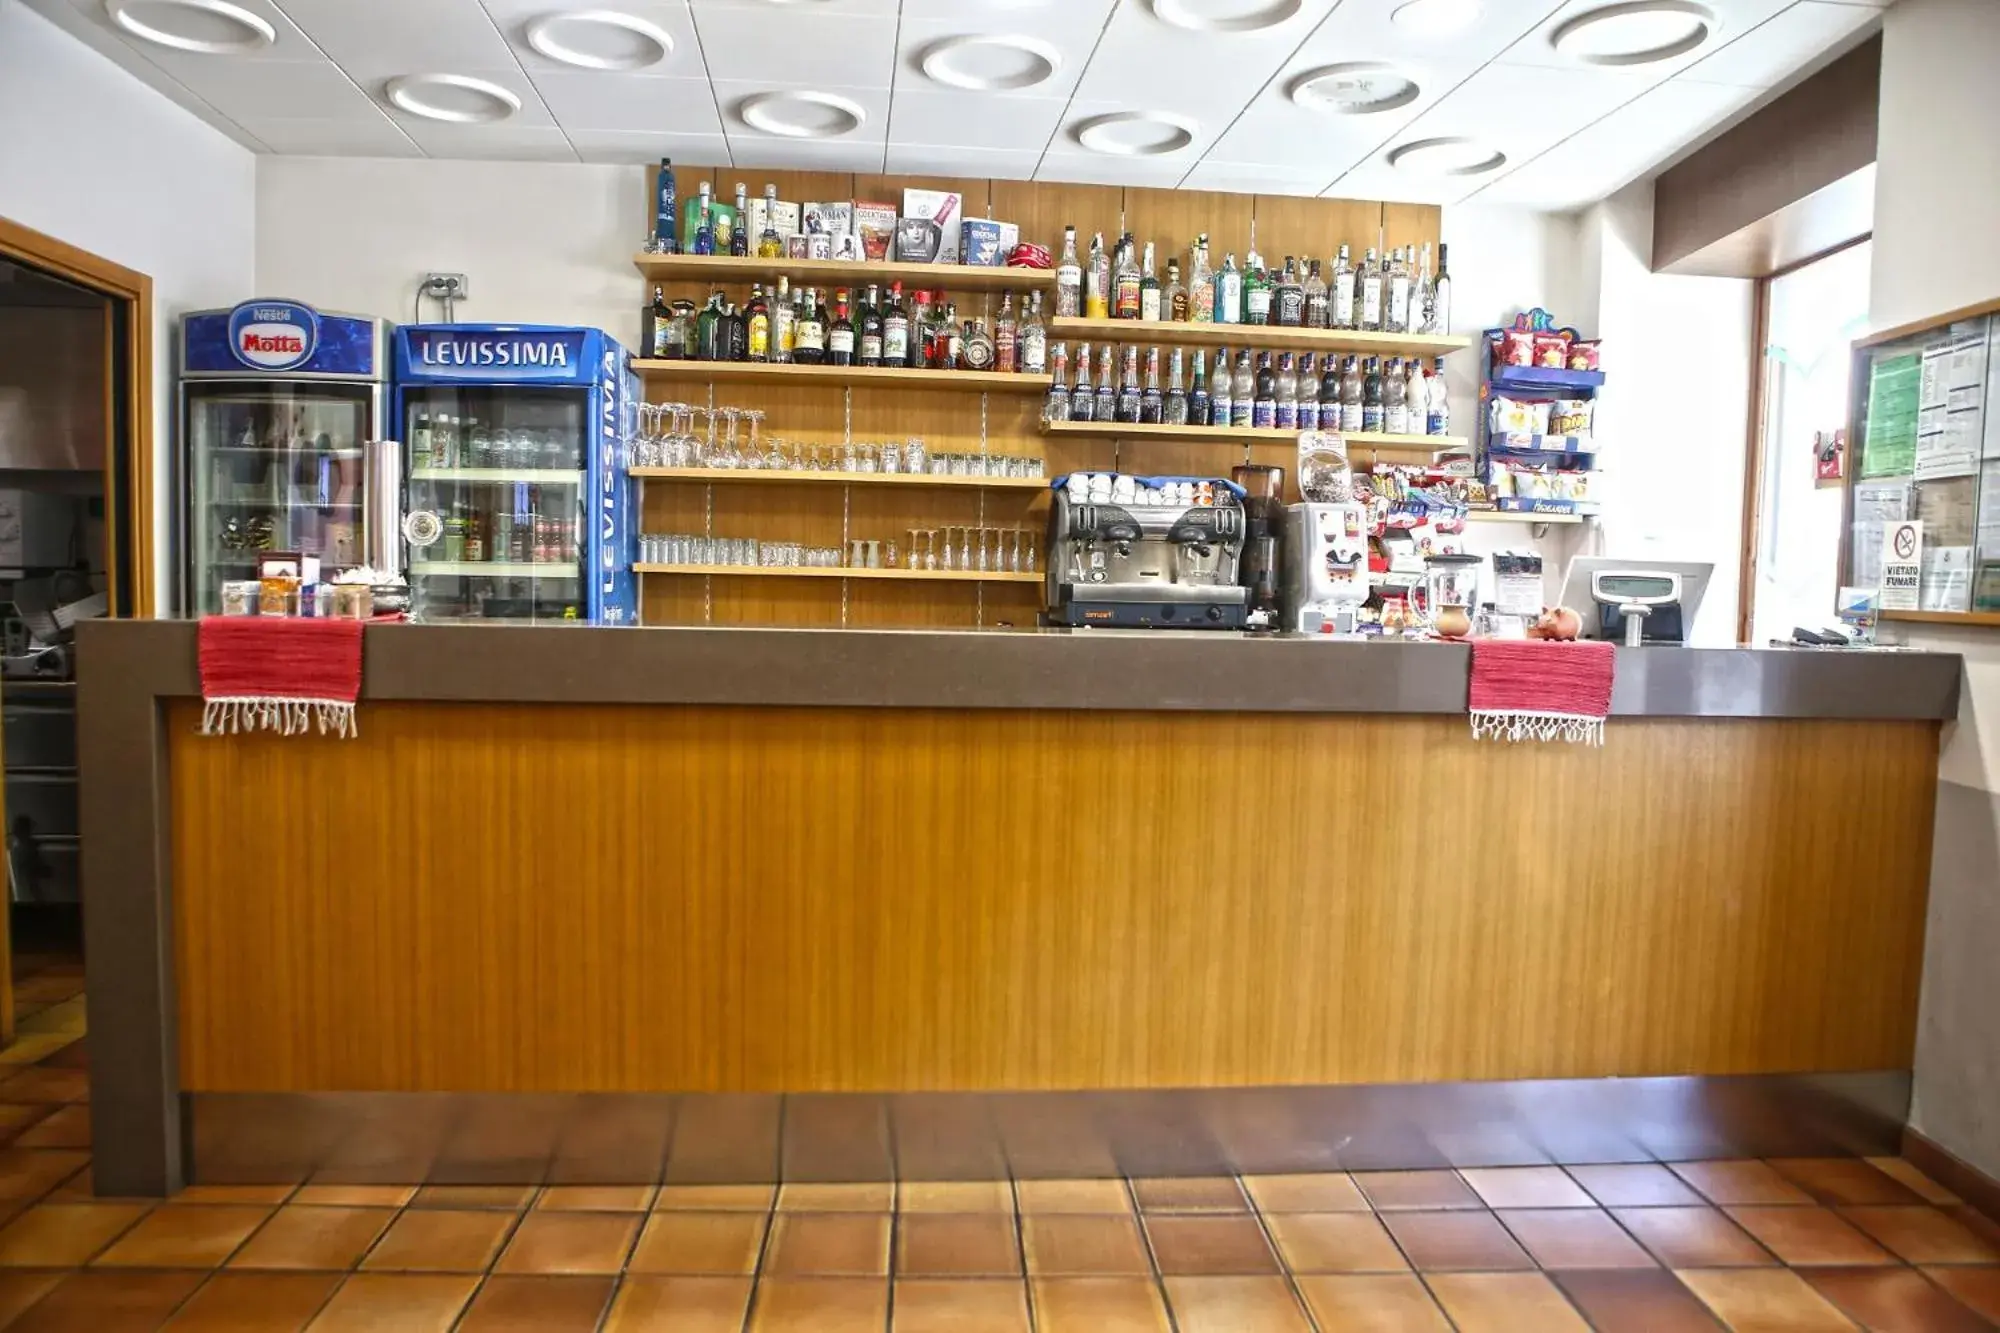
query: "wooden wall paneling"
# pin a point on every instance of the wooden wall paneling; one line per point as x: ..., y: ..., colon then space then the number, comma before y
x: 1288, y: 225
x: 608, y: 898
x: 1171, y: 219
x: 1043, y: 209
x: 1412, y: 224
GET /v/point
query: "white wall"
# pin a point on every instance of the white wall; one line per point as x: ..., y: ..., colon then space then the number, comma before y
x: 1937, y: 211
x: 544, y: 243
x: 93, y: 157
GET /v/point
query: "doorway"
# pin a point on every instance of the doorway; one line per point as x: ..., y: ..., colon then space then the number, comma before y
x: 75, y: 543
x: 1811, y: 314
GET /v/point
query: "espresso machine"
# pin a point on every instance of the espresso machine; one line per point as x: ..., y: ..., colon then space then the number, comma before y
x: 1146, y: 552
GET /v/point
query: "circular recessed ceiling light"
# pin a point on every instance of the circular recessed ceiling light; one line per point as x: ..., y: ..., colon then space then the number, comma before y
x: 801, y: 115
x: 1437, y: 18
x: 457, y: 99
x: 1353, y: 88
x: 1225, y: 15
x: 600, y: 39
x: 1636, y: 33
x: 991, y: 64
x: 1136, y: 133
x: 210, y: 27
x: 1447, y: 157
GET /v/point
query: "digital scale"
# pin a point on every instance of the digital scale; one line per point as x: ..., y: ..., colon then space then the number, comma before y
x: 1638, y: 603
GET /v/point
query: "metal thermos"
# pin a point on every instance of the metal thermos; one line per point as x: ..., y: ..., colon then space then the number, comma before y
x: 1263, y: 514
x: 382, y: 520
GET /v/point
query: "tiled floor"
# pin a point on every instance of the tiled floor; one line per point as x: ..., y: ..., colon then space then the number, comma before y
x: 1789, y: 1246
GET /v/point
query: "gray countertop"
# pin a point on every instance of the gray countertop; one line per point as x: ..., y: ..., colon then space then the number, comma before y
x: 1087, y: 669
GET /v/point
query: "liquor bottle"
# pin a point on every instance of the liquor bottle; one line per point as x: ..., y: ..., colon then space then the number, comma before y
x: 704, y: 328
x: 1229, y: 292
x: 1107, y: 389
x: 1318, y: 303
x: 1126, y: 282
x: 1149, y: 288
x: 1097, y: 280
x: 666, y: 216
x: 739, y: 333
x: 475, y: 536
x: 1369, y: 280
x: 895, y: 329
x: 1174, y: 412
x: 1243, y: 391
x: 1174, y: 300
x: 1264, y: 399
x: 1342, y: 314
x: 1128, y: 387
x: 1395, y: 399
x: 1423, y: 297
x: 1197, y: 404
x: 1256, y: 284
x: 1371, y: 398
x: 809, y: 334
x: 1329, y: 395
x: 1398, y: 319
x: 739, y: 233
x: 757, y: 316
x: 784, y: 322
x: 840, y: 333
x: 951, y: 339
x: 1288, y: 299
x: 976, y: 347
x: 1201, y: 283
x: 1221, y: 391
x: 1082, y: 401
x: 1069, y: 279
x: 704, y: 220
x: 1034, y: 340
x: 870, y: 346
x: 1437, y: 406
x: 1006, y: 337
x: 1151, y: 401
x: 918, y: 349
x: 658, y: 319
x: 1285, y: 411
x: 770, y: 245
x: 1440, y: 314
x: 1056, y: 406
x: 420, y: 443
x: 1306, y: 396
x: 1352, y: 391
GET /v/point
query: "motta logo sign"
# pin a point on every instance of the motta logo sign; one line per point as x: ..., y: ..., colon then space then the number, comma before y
x: 273, y: 335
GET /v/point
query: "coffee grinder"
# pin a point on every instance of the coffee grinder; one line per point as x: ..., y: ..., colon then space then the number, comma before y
x: 1264, y: 517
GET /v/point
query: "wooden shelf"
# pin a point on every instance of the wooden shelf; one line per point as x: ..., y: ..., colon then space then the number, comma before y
x: 495, y: 569
x: 723, y: 476
x: 842, y: 572
x: 1514, y: 516
x: 1369, y: 440
x: 842, y: 273
x: 1971, y: 619
x: 481, y: 476
x: 1255, y: 336
x: 781, y: 372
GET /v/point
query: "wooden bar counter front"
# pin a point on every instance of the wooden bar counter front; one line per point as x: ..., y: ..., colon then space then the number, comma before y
x: 745, y: 862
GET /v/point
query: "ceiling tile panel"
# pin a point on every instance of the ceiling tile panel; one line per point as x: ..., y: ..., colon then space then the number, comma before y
x: 377, y: 137
x: 1143, y: 62
x: 291, y: 44
x: 975, y: 120
x: 1737, y: 17
x: 780, y: 48
x: 1071, y: 31
x: 1800, y: 36
x: 995, y: 164
x: 640, y: 146
x: 597, y: 100
x: 1095, y: 169
x: 874, y: 104
x: 378, y: 39
x: 258, y: 90
x: 533, y: 113
x: 513, y: 143
x: 1254, y: 178
x: 671, y: 17
x: 785, y: 9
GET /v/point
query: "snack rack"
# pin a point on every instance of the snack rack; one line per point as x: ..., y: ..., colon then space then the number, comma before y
x: 1529, y: 468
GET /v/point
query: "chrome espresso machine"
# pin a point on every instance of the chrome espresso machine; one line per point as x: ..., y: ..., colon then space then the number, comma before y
x: 1146, y: 552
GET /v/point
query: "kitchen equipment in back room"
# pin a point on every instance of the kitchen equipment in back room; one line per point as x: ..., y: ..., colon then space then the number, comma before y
x: 1146, y: 552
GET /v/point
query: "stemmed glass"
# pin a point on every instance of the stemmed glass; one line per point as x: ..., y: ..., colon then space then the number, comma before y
x: 753, y: 453
x: 916, y: 556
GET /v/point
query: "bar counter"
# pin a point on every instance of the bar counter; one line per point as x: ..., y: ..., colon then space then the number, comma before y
x: 622, y: 864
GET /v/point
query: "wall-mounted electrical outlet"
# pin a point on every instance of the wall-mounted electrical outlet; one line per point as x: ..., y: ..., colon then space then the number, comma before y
x: 445, y: 286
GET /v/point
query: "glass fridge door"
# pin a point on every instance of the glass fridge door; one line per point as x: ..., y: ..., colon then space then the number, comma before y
x: 500, y: 472
x: 272, y: 468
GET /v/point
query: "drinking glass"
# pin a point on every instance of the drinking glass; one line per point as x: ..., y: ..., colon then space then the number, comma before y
x: 916, y: 559
x: 1014, y: 556
x: 753, y: 454
x: 965, y: 548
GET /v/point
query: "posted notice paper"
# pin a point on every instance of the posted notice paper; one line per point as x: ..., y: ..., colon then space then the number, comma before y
x: 1946, y: 582
x: 1876, y: 504
x: 1902, y: 565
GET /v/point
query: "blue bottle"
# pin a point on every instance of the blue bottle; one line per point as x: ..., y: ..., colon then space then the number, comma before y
x: 665, y: 240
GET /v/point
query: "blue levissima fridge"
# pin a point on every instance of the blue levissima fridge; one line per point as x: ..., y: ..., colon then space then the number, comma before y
x: 277, y: 403
x: 517, y: 502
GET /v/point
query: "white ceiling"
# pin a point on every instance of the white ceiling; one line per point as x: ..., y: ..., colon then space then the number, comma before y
x: 1572, y: 133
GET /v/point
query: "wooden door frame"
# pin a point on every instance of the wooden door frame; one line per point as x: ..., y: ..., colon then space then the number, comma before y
x: 128, y: 509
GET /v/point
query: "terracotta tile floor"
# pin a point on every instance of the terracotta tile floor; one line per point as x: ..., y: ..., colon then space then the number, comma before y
x: 1790, y: 1244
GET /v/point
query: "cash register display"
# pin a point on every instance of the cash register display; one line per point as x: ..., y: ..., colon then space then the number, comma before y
x: 1646, y: 588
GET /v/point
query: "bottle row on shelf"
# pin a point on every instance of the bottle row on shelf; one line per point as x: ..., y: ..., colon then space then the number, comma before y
x: 1393, y: 293
x: 865, y: 328
x: 1396, y: 397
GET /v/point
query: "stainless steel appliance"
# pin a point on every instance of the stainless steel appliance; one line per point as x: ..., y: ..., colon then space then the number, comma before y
x: 1146, y: 552
x: 1323, y: 559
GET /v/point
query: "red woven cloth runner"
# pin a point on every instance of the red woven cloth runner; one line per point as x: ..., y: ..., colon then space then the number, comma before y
x: 1532, y: 689
x: 279, y: 673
